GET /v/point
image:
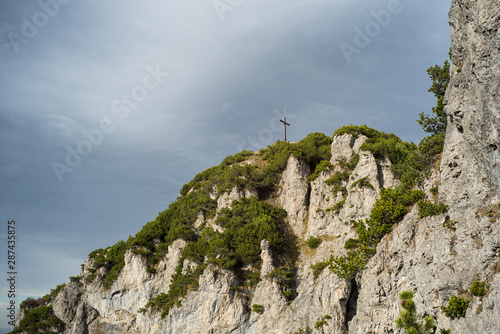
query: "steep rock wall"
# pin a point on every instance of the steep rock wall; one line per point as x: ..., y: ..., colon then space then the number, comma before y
x: 434, y: 259
x: 471, y: 158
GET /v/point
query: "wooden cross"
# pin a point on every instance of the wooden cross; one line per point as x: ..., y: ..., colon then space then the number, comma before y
x: 284, y: 124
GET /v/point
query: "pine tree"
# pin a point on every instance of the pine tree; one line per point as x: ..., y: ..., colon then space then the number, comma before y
x: 408, y: 319
x: 435, y: 125
x: 440, y: 77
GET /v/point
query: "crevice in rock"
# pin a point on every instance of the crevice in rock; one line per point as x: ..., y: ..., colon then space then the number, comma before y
x: 380, y: 175
x: 307, y: 200
x: 352, y: 303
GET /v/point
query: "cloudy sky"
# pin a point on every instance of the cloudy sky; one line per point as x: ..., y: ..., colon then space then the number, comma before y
x: 108, y: 108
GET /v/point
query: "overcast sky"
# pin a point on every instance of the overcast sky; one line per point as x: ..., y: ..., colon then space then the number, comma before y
x: 108, y: 107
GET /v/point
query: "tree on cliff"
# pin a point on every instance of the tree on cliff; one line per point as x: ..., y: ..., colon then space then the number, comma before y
x: 408, y: 319
x: 440, y: 77
x: 436, y: 125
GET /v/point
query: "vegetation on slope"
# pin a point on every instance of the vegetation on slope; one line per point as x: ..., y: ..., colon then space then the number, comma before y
x: 39, y: 320
x: 411, y: 164
x: 177, y: 221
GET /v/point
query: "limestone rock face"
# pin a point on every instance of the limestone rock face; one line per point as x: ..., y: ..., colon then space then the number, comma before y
x: 435, y: 262
x: 134, y: 283
x: 294, y: 193
x: 434, y: 259
x: 226, y: 199
x: 471, y: 158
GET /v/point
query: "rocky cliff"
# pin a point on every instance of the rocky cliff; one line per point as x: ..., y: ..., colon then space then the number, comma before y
x: 434, y: 259
x: 435, y: 256
x: 470, y: 166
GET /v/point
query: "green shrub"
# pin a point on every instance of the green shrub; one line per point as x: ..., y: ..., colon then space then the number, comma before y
x: 30, y: 303
x: 323, y: 166
x: 307, y: 330
x: 408, y: 319
x: 151, y: 270
x: 39, y: 320
x: 250, y: 278
x: 457, y: 306
x: 362, y: 183
x: 284, y: 274
x: 257, y: 308
x: 352, y: 243
x: 246, y: 224
x: 313, y: 149
x: 179, y: 287
x: 409, y: 163
x: 349, y: 165
x: 440, y: 76
x: 320, y: 324
x: 313, y: 242
x: 53, y: 293
x: 389, y: 209
x: 112, y: 259
x: 356, y: 131
x: 90, y: 278
x: 449, y: 223
x: 338, y: 206
x: 431, y: 146
x: 348, y: 266
x: 318, y: 268
x: 478, y: 288
x: 445, y: 331
x: 336, y: 180
x: 434, y: 190
x: 427, y: 208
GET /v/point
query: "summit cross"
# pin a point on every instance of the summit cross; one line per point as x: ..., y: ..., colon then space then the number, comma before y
x: 284, y: 124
